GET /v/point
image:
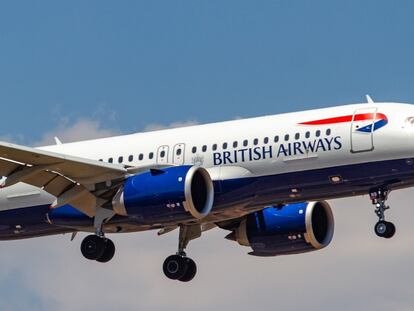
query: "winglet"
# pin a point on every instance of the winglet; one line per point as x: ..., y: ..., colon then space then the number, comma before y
x: 369, y: 99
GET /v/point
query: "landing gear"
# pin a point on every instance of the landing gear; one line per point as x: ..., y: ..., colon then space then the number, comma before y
x: 179, y: 266
x: 383, y: 229
x: 97, y: 248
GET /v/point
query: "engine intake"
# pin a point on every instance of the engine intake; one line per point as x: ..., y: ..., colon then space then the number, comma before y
x: 289, y: 229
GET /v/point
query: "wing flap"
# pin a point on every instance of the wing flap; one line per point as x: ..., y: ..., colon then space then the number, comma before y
x: 58, y: 185
x: 40, y: 179
x: 7, y: 167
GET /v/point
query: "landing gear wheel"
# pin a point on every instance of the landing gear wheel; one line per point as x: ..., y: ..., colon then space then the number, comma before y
x: 380, y: 228
x: 191, y: 271
x: 390, y: 230
x: 93, y: 247
x: 385, y: 229
x: 379, y: 196
x: 108, y: 253
x: 175, y: 267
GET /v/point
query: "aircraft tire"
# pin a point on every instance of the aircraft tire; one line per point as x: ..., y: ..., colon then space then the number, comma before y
x: 108, y: 253
x: 390, y: 230
x: 191, y: 271
x: 384, y: 229
x: 175, y: 267
x: 93, y: 247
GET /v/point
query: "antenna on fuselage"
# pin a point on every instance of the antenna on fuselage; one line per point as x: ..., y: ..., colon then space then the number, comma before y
x: 369, y: 99
x: 57, y: 141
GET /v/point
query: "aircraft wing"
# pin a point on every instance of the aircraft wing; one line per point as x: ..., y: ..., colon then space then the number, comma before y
x: 71, y: 179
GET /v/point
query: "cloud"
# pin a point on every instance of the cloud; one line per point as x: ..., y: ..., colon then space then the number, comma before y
x: 157, y: 126
x: 91, y: 128
x: 82, y: 129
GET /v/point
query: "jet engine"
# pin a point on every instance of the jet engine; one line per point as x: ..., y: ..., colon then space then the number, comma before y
x: 175, y: 193
x: 288, y: 229
x: 157, y: 196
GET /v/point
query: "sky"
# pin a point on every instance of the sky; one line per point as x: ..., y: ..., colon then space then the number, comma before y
x: 85, y: 69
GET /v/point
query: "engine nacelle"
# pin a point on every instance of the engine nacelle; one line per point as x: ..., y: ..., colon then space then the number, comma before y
x: 175, y: 193
x: 289, y: 229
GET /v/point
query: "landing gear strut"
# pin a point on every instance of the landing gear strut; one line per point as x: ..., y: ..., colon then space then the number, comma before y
x: 179, y: 266
x: 383, y: 229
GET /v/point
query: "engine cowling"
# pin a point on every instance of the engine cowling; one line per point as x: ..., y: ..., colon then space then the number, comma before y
x: 289, y: 229
x: 175, y: 193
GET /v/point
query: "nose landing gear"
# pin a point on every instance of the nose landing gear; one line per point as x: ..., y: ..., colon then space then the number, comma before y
x: 383, y: 229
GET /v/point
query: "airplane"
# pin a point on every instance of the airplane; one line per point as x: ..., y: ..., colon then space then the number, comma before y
x: 264, y: 180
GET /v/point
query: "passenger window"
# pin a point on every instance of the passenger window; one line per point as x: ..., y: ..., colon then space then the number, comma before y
x: 151, y: 155
x: 266, y: 140
x: 328, y: 132
x: 100, y: 160
x: 204, y: 148
x: 131, y: 158
x: 214, y: 147
x: 276, y: 139
x: 245, y: 142
x: 225, y: 146
x: 297, y: 136
x: 194, y: 150
x: 318, y: 133
x: 178, y: 152
x: 110, y: 160
x: 162, y: 154
x: 235, y: 144
x: 307, y: 135
x: 255, y: 141
x: 286, y: 137
x: 120, y: 159
x: 141, y: 157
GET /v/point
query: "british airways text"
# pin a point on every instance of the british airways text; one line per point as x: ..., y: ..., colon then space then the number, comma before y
x: 282, y: 150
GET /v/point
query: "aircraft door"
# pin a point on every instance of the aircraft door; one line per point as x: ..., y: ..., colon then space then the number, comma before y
x: 162, y: 154
x: 362, y: 130
x: 178, y: 154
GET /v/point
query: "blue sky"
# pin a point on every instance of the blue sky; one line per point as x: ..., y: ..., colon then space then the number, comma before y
x: 133, y: 63
x: 96, y: 68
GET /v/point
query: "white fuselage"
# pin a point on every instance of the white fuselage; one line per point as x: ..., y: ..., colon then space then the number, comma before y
x: 276, y: 145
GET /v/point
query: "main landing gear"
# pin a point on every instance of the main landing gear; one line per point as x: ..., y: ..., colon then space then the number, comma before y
x: 383, y: 229
x: 97, y: 246
x: 179, y: 266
